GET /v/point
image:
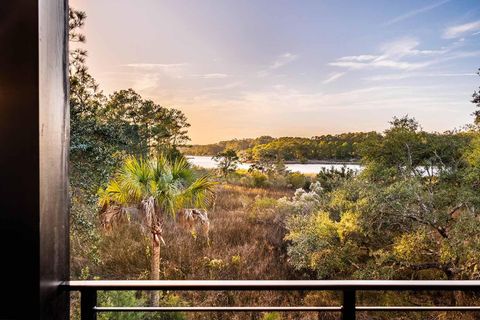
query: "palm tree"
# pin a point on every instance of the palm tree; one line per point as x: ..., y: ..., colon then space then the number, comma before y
x: 157, y: 189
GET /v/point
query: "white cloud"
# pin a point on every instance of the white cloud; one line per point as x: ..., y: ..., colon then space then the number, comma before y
x: 154, y: 65
x: 462, y: 29
x: 279, y: 62
x: 223, y: 87
x: 360, y: 58
x: 282, y: 60
x: 406, y: 46
x: 174, y: 70
x: 416, y: 12
x: 333, y: 76
x: 393, y: 55
x: 254, y: 111
x: 380, y: 63
x: 349, y: 64
x: 369, y: 98
x: 214, y: 76
x: 262, y: 73
x: 400, y: 76
x: 402, y: 65
x: 278, y: 86
x: 145, y: 81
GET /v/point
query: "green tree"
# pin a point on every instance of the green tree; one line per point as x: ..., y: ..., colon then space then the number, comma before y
x: 401, y: 148
x: 412, y: 212
x: 158, y: 188
x: 342, y: 147
x: 96, y: 147
x: 476, y: 101
x: 155, y: 128
x: 103, y: 132
x: 227, y: 161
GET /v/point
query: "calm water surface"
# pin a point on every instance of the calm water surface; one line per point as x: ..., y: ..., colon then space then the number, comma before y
x: 313, y: 168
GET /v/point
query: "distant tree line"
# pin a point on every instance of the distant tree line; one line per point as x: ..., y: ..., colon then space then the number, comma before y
x: 340, y: 147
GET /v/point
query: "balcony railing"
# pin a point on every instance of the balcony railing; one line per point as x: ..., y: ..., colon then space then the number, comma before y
x: 348, y: 308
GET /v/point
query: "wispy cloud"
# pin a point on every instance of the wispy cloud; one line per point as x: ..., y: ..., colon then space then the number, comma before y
x: 415, y: 12
x: 461, y: 30
x: 360, y: 58
x: 277, y: 63
x: 333, y: 77
x: 407, y: 46
x: 213, y: 76
x: 393, y: 55
x: 282, y: 60
x: 174, y: 70
x: 400, y: 76
x: 145, y: 81
x: 223, y: 87
x: 154, y: 65
x: 380, y: 63
x: 368, y: 98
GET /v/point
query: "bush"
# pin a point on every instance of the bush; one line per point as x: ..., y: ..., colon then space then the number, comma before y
x: 263, y: 208
x: 296, y: 180
x: 259, y: 179
x: 121, y: 298
x: 274, y: 180
x: 272, y: 316
x: 137, y: 299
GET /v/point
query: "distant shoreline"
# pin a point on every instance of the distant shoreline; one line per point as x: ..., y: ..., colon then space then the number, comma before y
x: 332, y: 162
x: 339, y: 162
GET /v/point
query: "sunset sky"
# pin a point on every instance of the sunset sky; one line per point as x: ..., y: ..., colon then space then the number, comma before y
x: 245, y: 68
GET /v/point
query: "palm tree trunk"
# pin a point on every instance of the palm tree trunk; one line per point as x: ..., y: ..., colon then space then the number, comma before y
x: 155, y: 270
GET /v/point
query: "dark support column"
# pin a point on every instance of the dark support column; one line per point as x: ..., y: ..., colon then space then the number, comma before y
x: 33, y: 162
x: 54, y: 145
x: 348, y: 306
x: 87, y: 304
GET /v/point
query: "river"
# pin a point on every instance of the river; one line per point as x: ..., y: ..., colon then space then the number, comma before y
x: 307, y: 168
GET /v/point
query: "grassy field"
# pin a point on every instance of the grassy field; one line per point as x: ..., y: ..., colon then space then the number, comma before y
x: 246, y: 241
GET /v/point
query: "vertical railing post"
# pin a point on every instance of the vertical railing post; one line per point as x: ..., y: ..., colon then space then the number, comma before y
x: 348, y: 306
x: 88, y: 302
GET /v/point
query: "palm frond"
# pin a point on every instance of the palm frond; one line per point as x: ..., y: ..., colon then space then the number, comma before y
x: 199, y: 193
x: 181, y: 170
x: 158, y: 186
x: 103, y: 198
x: 134, y: 179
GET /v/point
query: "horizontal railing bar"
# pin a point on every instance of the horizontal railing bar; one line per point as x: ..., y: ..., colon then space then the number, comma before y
x: 417, y: 308
x: 217, y: 309
x: 262, y: 285
x: 286, y: 309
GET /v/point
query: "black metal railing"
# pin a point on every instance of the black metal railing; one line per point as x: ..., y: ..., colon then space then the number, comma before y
x: 89, y: 309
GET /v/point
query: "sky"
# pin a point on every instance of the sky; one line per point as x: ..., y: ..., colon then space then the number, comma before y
x: 246, y: 68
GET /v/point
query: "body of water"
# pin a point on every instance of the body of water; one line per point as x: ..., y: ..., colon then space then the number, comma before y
x: 308, y: 168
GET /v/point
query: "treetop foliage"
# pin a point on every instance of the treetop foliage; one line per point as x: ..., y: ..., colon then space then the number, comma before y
x: 476, y: 101
x: 106, y: 129
x: 411, y: 213
x: 342, y: 147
